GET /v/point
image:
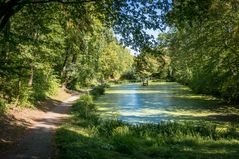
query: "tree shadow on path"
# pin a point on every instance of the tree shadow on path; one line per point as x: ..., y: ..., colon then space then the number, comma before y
x: 37, y: 142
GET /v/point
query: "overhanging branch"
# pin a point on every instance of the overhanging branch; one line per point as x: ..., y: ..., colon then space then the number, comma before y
x: 10, y: 7
x: 55, y: 1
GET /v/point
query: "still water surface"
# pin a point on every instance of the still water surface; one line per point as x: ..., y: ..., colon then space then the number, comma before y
x: 134, y: 103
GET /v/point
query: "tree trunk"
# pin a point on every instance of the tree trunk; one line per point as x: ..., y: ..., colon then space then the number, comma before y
x: 74, y: 58
x: 7, y: 10
x: 18, y: 92
x: 35, y: 37
x: 5, y: 44
x: 67, y: 52
x: 31, y: 77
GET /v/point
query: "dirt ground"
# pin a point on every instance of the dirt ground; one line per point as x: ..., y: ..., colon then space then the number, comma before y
x: 27, y: 132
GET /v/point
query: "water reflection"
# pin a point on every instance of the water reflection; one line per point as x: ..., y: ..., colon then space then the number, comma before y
x: 159, y: 101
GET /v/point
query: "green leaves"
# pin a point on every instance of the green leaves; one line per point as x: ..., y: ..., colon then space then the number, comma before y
x: 146, y: 65
x: 129, y: 18
x: 204, y: 47
x: 113, y: 61
x: 134, y: 17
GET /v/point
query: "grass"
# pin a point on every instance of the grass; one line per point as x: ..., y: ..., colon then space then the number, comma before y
x: 87, y: 136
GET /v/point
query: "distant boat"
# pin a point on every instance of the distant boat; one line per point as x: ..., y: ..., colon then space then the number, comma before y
x: 145, y: 82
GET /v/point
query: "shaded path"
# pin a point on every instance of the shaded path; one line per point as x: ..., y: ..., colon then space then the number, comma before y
x: 37, y: 142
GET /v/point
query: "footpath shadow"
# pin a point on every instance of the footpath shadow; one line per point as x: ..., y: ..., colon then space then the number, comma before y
x: 47, y: 104
x: 37, y: 141
x: 30, y: 146
x: 11, y: 130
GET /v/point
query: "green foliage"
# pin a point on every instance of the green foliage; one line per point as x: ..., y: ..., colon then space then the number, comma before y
x: 113, y: 138
x: 124, y: 144
x: 203, y: 46
x: 2, y: 106
x: 99, y: 57
x: 152, y: 63
x: 128, y: 76
x: 45, y: 46
x: 106, y: 128
x: 84, y: 106
x: 74, y: 150
x: 165, y: 140
x: 146, y: 65
x: 183, y: 129
x: 129, y: 18
x: 98, y: 91
x: 44, y: 86
x: 114, y: 61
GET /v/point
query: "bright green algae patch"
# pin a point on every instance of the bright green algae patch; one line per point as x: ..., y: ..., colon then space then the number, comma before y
x: 87, y: 136
x: 135, y: 103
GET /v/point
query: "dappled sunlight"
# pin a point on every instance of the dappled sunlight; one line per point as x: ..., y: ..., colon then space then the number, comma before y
x: 134, y: 92
x: 193, y: 96
x: 153, y: 115
x: 159, y: 113
x: 80, y: 131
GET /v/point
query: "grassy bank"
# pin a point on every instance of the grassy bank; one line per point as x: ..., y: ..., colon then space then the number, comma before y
x: 86, y: 136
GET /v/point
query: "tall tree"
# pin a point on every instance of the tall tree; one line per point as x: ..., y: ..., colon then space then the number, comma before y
x: 204, y: 46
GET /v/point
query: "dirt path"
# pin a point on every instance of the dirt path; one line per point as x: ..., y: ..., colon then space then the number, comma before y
x: 37, y: 142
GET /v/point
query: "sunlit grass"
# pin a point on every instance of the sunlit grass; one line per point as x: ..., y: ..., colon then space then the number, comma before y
x: 79, y: 130
x: 125, y: 142
x: 89, y: 136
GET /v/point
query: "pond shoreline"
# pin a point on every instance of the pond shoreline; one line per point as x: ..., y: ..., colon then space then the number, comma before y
x: 86, y: 135
x: 162, y: 101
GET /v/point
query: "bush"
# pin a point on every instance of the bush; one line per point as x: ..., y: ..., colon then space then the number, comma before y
x: 106, y: 128
x: 128, y: 76
x: 117, y: 139
x: 85, y: 106
x: 98, y: 91
x: 124, y: 144
x: 108, y: 138
x: 44, y: 86
x: 121, y: 130
x: 2, y: 105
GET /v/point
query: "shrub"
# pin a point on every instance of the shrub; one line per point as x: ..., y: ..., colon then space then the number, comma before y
x: 98, y: 91
x: 107, y: 127
x: 2, y: 105
x: 124, y: 144
x: 121, y: 130
x: 85, y: 106
x: 44, y: 85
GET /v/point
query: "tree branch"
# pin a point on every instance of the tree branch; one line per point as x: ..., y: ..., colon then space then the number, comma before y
x: 55, y: 1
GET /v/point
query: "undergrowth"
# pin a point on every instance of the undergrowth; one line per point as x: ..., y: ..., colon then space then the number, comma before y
x: 98, y: 91
x: 2, y: 106
x: 90, y: 137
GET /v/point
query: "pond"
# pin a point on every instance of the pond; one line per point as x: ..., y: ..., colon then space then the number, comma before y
x: 135, y: 103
